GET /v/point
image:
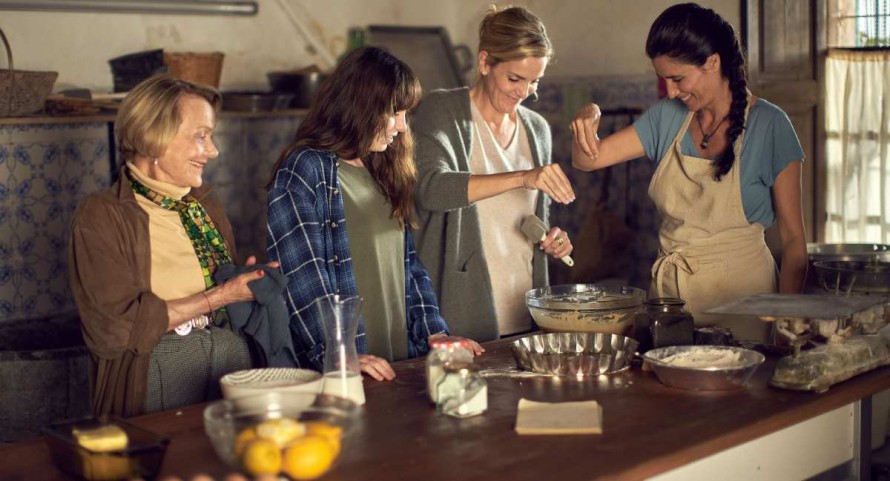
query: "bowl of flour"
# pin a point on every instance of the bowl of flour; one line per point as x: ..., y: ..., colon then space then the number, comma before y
x: 704, y: 368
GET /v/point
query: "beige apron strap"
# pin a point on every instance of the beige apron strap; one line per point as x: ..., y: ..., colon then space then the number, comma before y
x: 679, y: 263
x: 675, y: 260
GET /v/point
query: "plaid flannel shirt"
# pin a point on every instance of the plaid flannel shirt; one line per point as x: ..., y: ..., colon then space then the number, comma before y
x: 306, y: 233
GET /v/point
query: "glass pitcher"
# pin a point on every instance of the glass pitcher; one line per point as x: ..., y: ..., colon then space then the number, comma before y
x: 339, y: 316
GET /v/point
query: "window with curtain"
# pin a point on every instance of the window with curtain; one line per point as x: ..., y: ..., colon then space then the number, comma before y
x: 857, y: 122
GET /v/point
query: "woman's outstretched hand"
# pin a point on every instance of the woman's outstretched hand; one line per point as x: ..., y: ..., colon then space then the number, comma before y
x: 552, y: 181
x: 584, y: 128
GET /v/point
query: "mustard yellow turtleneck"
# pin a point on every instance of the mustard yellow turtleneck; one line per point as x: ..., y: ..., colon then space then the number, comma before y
x: 175, y: 271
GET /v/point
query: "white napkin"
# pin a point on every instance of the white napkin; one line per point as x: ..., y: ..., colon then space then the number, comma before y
x: 581, y: 417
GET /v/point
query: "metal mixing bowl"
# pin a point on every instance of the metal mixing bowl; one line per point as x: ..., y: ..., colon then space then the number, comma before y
x: 843, y: 277
x: 843, y: 252
x: 574, y: 353
x: 704, y: 368
x: 848, y: 252
x: 584, y: 307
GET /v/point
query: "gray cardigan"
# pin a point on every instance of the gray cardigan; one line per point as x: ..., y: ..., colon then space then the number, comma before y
x: 449, y: 240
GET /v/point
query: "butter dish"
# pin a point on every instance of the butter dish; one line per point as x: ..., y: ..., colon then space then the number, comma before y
x: 105, y: 449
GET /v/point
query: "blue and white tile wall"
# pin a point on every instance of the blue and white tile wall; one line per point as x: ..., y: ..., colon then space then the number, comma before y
x: 628, y: 202
x: 45, y: 169
x: 248, y: 151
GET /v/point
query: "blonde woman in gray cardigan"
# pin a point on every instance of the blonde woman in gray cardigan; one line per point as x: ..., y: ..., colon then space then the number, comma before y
x: 484, y: 164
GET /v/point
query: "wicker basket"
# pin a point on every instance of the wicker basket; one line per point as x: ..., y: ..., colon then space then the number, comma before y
x: 199, y: 67
x: 22, y: 92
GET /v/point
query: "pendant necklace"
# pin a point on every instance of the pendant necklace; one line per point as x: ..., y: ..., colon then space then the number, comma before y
x: 706, y: 138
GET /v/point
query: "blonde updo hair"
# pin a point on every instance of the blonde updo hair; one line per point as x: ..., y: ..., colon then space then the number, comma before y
x: 513, y: 33
x: 149, y: 116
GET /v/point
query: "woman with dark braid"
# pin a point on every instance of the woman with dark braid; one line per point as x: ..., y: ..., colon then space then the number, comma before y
x: 728, y: 166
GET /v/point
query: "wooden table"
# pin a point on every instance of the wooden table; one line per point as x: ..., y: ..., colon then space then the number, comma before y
x: 649, y: 428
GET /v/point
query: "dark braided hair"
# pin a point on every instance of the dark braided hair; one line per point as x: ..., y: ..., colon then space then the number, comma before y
x: 690, y: 34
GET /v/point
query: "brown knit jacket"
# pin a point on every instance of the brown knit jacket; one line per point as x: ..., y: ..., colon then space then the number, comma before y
x: 109, y: 263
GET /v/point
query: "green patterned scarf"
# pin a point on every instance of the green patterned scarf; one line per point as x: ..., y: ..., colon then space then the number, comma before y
x: 206, y: 239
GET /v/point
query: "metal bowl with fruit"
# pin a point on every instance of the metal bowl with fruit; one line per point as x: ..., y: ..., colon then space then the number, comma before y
x: 298, y: 435
x: 584, y: 307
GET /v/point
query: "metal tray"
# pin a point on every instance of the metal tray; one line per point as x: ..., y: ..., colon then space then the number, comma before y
x: 770, y: 307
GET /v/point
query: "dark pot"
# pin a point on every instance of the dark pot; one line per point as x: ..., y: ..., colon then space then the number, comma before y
x: 302, y: 85
x: 256, y: 101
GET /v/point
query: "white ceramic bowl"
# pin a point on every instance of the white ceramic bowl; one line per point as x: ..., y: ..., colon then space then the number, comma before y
x: 251, y: 382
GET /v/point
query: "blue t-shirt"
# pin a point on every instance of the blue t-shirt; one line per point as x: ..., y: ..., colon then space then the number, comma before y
x: 770, y: 144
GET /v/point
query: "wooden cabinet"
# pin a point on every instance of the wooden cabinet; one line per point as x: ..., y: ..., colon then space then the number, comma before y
x: 783, y: 68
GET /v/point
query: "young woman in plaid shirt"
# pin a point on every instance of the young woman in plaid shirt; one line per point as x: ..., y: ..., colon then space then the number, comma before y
x: 339, y: 211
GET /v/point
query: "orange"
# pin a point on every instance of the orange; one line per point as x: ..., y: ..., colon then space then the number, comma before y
x: 261, y: 456
x: 308, y: 457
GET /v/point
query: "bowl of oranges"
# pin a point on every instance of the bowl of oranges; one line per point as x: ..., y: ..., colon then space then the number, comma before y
x: 298, y: 435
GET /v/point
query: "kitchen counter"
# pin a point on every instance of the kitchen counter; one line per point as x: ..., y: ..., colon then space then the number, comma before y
x: 648, y: 429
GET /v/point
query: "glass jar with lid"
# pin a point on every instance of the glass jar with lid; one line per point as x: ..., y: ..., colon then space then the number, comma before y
x: 669, y: 323
x: 443, y: 351
x: 461, y: 392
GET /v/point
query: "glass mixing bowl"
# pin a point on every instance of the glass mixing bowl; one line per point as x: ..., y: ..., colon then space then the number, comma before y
x: 585, y: 307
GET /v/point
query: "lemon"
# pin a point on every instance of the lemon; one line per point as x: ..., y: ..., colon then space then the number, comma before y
x: 325, y: 429
x: 282, y: 431
x: 308, y: 457
x: 331, y: 432
x: 261, y: 456
x: 243, y: 439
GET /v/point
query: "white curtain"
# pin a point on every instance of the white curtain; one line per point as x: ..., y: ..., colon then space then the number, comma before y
x: 857, y: 121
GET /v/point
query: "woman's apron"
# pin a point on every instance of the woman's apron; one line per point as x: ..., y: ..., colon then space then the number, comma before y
x: 710, y: 254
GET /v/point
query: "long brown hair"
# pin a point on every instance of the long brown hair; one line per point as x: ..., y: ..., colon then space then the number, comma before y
x: 351, y: 109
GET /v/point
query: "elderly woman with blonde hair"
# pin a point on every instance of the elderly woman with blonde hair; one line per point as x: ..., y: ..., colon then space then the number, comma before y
x: 143, y: 254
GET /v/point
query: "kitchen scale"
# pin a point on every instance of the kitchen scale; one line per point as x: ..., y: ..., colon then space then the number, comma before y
x: 831, y: 338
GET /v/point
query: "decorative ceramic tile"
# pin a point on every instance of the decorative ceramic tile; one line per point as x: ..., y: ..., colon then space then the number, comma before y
x: 249, y: 149
x: 44, y: 171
